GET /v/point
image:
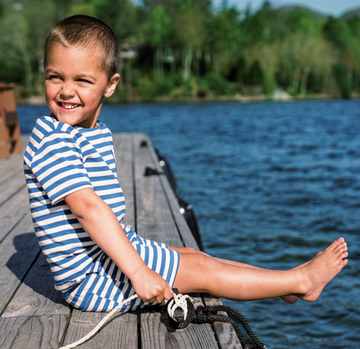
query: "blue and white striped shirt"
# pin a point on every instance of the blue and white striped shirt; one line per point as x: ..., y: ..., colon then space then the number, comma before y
x: 61, y: 159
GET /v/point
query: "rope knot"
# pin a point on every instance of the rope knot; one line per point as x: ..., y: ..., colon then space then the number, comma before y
x: 178, y: 307
x: 181, y: 310
x: 203, y: 316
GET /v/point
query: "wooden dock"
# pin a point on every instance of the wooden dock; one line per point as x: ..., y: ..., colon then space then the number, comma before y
x: 33, y: 314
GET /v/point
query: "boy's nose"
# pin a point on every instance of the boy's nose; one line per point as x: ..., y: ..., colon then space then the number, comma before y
x: 67, y: 90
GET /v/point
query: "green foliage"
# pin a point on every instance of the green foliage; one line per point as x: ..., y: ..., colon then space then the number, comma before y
x: 301, y: 20
x: 263, y: 25
x: 255, y: 74
x: 342, y: 80
x: 337, y: 32
x: 190, y: 47
x: 158, y: 86
x: 240, y: 69
x: 81, y: 9
x: 225, y: 30
x: 354, y: 25
x: 217, y: 84
x: 119, y: 15
x: 268, y: 84
x: 314, y: 84
x: 158, y: 26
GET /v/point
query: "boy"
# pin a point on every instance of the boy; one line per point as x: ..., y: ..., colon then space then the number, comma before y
x: 77, y: 204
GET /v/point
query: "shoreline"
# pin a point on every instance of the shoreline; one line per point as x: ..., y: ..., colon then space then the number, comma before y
x: 40, y: 100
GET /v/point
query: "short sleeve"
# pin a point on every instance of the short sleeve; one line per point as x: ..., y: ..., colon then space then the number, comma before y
x: 58, y: 165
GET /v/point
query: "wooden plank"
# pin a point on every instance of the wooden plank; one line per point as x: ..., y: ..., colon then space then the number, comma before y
x: 183, y: 229
x: 32, y: 332
x: 11, y: 186
x: 224, y: 332
x: 119, y: 333
x: 155, y: 220
x: 153, y: 215
x: 155, y: 335
x: 37, y: 314
x: 11, y: 165
x: 12, y: 212
x: 37, y: 295
x: 17, y: 253
x: 163, y: 232
x: 123, y: 145
x: 152, y: 209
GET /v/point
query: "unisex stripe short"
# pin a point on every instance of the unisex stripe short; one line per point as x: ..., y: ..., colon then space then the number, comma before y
x: 105, y: 290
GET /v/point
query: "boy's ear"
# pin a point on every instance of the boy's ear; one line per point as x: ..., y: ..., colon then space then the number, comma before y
x: 112, y: 85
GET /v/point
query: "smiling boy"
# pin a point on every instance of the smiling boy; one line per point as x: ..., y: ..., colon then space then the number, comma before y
x: 77, y: 78
x: 77, y: 203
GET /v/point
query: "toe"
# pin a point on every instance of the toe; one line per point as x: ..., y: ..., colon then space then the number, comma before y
x: 336, y: 243
x: 341, y: 248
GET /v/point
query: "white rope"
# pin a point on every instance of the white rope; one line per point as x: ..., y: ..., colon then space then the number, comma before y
x: 178, y: 301
x: 101, y: 323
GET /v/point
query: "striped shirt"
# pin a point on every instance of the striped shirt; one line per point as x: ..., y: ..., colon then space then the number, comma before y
x: 61, y: 159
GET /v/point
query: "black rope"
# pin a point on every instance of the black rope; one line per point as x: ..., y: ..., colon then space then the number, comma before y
x: 208, y: 314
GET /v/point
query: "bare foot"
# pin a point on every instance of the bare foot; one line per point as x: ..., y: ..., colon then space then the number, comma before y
x: 323, y: 268
x: 291, y: 298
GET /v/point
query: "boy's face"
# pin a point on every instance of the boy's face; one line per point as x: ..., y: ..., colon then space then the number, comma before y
x: 75, y: 84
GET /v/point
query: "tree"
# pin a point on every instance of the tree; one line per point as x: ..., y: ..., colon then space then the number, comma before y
x: 14, y: 46
x: 38, y: 25
x: 341, y: 72
x: 190, y: 31
x: 301, y: 20
x: 120, y: 16
x: 255, y: 74
x: 156, y: 31
x: 337, y: 32
x: 175, y: 7
x: 225, y: 37
x: 263, y: 26
x: 308, y: 53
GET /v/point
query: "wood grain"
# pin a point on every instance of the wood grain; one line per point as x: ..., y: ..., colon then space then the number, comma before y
x: 32, y: 332
x: 155, y: 335
x: 37, y: 296
x: 120, y: 332
x: 11, y: 165
x: 17, y: 253
x: 11, y: 186
x: 13, y: 211
x: 225, y: 333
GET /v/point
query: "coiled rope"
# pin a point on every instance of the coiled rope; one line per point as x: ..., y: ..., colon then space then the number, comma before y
x: 181, y: 309
x: 208, y: 314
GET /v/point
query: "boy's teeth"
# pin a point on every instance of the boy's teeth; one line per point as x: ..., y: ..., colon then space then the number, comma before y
x: 68, y: 106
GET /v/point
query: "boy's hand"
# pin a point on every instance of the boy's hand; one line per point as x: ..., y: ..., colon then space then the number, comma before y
x: 150, y: 286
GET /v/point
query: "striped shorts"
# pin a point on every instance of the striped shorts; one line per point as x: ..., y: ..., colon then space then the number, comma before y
x: 104, y: 290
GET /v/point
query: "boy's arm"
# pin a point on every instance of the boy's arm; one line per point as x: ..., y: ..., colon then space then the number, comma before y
x: 98, y: 220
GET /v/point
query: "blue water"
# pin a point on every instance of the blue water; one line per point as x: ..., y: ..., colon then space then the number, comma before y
x: 272, y: 184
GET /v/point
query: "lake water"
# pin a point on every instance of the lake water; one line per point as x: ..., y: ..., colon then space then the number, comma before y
x: 272, y: 184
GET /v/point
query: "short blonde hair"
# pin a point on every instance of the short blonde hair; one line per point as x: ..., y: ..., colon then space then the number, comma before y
x: 86, y: 31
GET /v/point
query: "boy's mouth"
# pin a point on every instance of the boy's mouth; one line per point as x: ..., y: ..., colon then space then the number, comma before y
x: 68, y: 106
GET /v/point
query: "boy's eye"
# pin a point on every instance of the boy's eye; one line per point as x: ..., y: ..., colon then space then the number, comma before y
x: 53, y: 77
x: 84, y: 81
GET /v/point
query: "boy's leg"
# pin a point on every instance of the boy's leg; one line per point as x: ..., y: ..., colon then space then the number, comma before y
x: 201, y: 273
x: 226, y: 261
x: 290, y: 299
